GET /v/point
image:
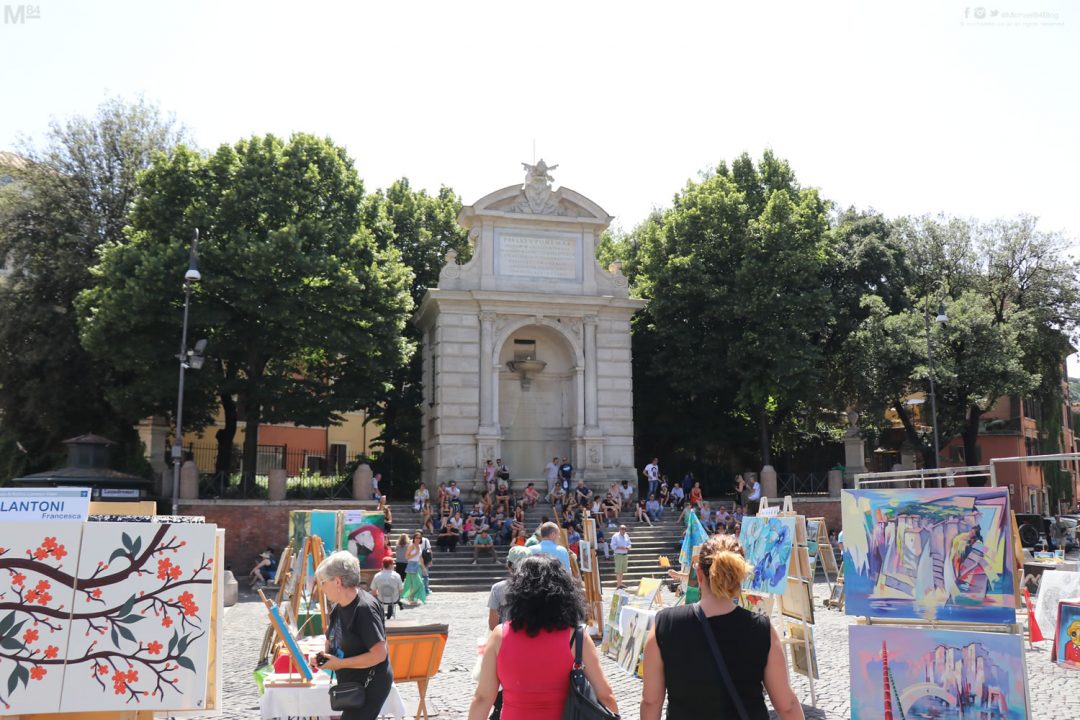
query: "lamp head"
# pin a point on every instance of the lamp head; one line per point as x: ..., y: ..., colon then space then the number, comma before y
x: 192, y: 275
x: 941, y: 316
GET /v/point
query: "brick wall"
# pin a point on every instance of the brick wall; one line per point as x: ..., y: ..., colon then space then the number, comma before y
x: 828, y: 508
x: 253, y: 525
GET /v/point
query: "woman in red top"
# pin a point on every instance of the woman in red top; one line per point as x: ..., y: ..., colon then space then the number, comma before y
x: 530, y: 655
x: 695, y: 494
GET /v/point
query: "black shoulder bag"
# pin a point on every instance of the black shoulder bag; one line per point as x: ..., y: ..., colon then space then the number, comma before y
x: 721, y: 666
x: 581, y: 703
x: 350, y: 695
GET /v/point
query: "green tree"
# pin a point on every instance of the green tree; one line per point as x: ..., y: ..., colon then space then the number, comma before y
x: 303, y: 309
x: 69, y: 198
x: 734, y: 274
x: 423, y: 228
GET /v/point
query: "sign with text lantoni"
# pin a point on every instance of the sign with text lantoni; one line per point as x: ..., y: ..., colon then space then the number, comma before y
x: 49, y: 504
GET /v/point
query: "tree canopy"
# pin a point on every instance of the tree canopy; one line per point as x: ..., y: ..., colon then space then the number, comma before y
x: 303, y: 308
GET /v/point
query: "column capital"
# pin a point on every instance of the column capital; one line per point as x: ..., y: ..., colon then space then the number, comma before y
x: 591, y: 320
x: 488, y: 316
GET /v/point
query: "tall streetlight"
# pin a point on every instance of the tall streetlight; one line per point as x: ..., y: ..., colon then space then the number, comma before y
x: 188, y: 358
x: 941, y: 318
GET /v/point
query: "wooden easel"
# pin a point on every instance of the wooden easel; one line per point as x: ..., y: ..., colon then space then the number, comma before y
x: 313, y: 550
x: 282, y: 577
x: 799, y: 570
x: 826, y: 554
x: 290, y: 680
x: 836, y: 593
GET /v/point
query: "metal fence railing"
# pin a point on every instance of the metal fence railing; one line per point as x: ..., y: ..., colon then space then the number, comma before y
x: 809, y: 484
x: 309, y: 475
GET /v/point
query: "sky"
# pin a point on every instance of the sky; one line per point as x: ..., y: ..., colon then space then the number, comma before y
x: 908, y: 108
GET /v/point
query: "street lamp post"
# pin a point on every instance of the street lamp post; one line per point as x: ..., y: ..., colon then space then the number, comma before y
x: 941, y: 317
x: 195, y: 357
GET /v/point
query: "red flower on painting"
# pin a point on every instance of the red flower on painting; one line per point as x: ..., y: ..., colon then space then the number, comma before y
x: 60, y: 553
x: 44, y: 598
x: 119, y: 680
x: 96, y: 593
x: 18, y: 579
x: 166, y: 621
x: 132, y: 676
x: 174, y: 572
x: 42, y: 586
x: 30, y: 636
x: 187, y: 600
x: 154, y: 648
x: 49, y: 543
x: 31, y: 596
x: 103, y: 669
x: 164, y: 567
x: 51, y: 652
x: 40, y: 554
x: 37, y: 672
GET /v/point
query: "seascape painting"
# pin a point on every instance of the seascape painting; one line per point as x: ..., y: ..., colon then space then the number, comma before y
x: 919, y: 674
x: 767, y: 543
x: 932, y: 554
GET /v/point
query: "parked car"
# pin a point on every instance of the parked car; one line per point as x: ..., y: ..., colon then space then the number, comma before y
x: 1034, y: 529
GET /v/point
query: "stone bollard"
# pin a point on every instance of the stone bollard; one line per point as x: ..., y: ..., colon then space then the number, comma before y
x: 768, y: 483
x: 232, y: 589
x: 361, y: 482
x: 189, y: 481
x: 836, y: 483
x: 277, y: 482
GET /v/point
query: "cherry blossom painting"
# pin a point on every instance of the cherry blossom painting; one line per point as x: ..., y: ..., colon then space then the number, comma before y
x: 139, y: 636
x: 37, y: 586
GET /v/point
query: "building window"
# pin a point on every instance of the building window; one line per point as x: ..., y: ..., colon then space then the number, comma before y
x: 339, y: 455
x: 524, y: 350
x: 315, y: 463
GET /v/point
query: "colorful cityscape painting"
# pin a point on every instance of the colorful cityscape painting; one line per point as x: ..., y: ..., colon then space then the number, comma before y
x: 767, y: 543
x: 933, y: 554
x: 918, y: 673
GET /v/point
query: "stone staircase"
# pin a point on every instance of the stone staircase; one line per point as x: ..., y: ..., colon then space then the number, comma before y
x: 454, y: 572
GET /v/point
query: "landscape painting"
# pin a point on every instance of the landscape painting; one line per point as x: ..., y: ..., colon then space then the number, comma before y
x: 767, y: 543
x: 933, y: 554
x: 929, y: 673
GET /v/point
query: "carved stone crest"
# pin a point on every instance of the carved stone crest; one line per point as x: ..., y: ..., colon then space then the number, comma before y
x: 539, y: 198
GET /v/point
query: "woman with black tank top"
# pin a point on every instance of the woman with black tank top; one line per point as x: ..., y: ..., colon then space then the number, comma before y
x: 680, y: 663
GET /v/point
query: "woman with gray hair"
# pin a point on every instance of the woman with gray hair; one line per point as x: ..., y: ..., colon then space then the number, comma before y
x: 356, y: 638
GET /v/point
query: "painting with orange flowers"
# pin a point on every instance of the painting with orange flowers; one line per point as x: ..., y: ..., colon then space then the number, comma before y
x: 140, y: 630
x: 104, y: 616
x: 37, y: 584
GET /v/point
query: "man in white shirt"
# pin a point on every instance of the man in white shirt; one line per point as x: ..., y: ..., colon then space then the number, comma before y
x: 626, y: 495
x: 755, y: 498
x: 620, y: 547
x: 652, y: 474
x: 552, y: 474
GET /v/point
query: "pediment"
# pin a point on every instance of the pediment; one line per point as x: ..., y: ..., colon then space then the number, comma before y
x: 528, y: 200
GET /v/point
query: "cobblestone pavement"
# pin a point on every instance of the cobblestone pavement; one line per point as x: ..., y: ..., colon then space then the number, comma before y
x: 1054, y: 692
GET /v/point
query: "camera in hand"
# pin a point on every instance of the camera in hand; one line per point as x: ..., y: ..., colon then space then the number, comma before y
x: 321, y: 659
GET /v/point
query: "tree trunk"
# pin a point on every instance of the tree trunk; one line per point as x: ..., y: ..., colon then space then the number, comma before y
x: 251, y: 445
x: 225, y: 437
x: 971, y: 442
x: 913, y: 435
x: 763, y: 429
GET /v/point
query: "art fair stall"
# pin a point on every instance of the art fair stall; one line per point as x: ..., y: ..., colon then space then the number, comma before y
x: 931, y: 572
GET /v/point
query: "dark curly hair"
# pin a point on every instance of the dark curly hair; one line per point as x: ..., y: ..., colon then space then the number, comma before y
x: 543, y: 596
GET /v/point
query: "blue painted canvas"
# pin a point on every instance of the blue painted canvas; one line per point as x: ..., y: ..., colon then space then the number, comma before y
x: 767, y: 543
x: 930, y: 554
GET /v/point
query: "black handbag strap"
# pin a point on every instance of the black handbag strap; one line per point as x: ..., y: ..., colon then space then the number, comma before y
x: 721, y: 666
x: 578, y: 640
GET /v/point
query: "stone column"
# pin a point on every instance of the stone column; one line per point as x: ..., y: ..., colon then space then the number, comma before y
x: 487, y: 372
x: 591, y: 413
x: 768, y: 483
x: 189, y: 480
x: 836, y: 483
x: 276, y: 483
x: 361, y: 482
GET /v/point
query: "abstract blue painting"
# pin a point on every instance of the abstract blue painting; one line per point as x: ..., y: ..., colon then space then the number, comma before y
x: 767, y: 543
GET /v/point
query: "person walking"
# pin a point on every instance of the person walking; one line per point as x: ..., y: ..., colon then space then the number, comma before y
x: 620, y: 547
x: 497, y: 609
x: 566, y: 473
x: 530, y: 654
x: 400, y: 551
x: 551, y: 472
x: 356, y: 649
x: 548, y: 545
x: 679, y: 660
x: 386, y: 586
x: 415, y: 591
x: 652, y: 475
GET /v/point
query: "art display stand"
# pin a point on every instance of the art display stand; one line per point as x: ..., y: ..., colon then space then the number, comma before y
x: 836, y: 593
x: 590, y: 572
x: 919, y: 481
x: 826, y: 556
x: 287, y: 643
x: 282, y: 578
x: 796, y: 605
x: 313, y: 552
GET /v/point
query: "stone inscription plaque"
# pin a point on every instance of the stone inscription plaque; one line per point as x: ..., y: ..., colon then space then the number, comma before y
x: 537, y: 256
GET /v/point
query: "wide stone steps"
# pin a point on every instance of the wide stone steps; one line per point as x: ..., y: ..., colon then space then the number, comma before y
x: 454, y: 572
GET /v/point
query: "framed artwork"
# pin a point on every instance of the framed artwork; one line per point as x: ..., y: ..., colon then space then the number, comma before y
x: 140, y: 638
x: 941, y: 554
x: 299, y: 527
x: 38, y: 576
x: 916, y: 672
x: 585, y: 555
x: 1055, y: 586
x: 760, y: 604
x: 767, y: 543
x: 362, y: 534
x: 828, y: 559
x: 611, y: 635
x: 797, y: 602
x: 1066, y: 650
x: 802, y: 661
